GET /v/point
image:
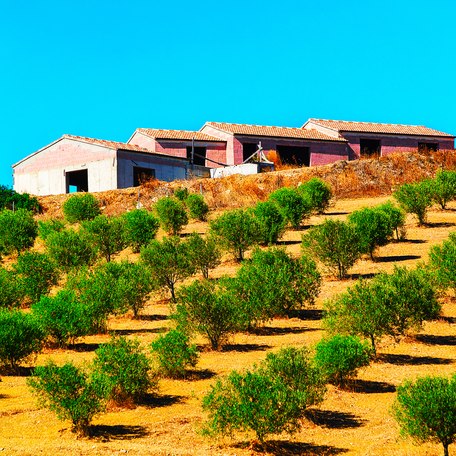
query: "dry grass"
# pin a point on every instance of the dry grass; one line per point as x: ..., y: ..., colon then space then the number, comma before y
x: 353, y: 422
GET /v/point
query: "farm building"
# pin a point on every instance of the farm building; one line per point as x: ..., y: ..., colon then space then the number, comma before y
x: 75, y: 163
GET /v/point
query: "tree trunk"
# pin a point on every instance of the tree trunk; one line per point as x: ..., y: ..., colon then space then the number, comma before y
x: 373, y: 344
x: 445, y: 449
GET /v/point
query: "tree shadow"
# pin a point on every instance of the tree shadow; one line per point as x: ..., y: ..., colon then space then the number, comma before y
x: 152, y: 317
x: 288, y: 242
x: 396, y: 258
x: 369, y: 275
x: 439, y: 224
x: 106, y: 432
x: 307, y: 314
x: 271, y: 331
x: 84, y: 347
x: 19, y: 371
x: 3, y: 396
x: 196, y: 375
x: 333, y: 420
x: 154, y: 401
x: 436, y: 340
x: 358, y: 385
x: 243, y: 348
x: 336, y: 213
x: 127, y: 332
x: 407, y: 360
x: 286, y: 448
x: 449, y: 319
x: 412, y: 241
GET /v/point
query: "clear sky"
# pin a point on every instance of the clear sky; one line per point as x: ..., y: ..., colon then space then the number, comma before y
x: 102, y: 68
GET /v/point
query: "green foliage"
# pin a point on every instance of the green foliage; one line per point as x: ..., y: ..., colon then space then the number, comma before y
x: 121, y: 371
x: 442, y: 261
x: 443, y: 187
x: 169, y: 262
x: 172, y: 215
x: 37, y: 274
x: 335, y: 243
x: 71, y: 249
x: 197, y: 207
x: 63, y: 317
x: 18, y: 230
x: 415, y: 199
x: 174, y: 353
x: 339, y: 357
x: 373, y: 228
x: 68, y: 392
x: 78, y: 208
x: 11, y: 293
x: 266, y: 400
x: 107, y: 234
x: 271, y: 222
x: 20, y: 337
x: 389, y: 304
x: 204, y: 253
x: 396, y: 218
x: 293, y: 206
x: 181, y: 193
x: 141, y: 227
x: 208, y: 309
x: 10, y: 199
x: 426, y: 410
x: 47, y: 227
x: 272, y: 284
x: 318, y: 193
x: 237, y: 230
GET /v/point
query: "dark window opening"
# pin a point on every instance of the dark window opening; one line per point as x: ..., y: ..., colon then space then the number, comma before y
x: 142, y: 175
x: 294, y: 155
x: 248, y: 149
x: 370, y: 148
x: 428, y: 147
x: 199, y: 155
x: 77, y: 181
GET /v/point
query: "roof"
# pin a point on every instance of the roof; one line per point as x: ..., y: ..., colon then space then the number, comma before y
x: 382, y: 128
x: 177, y: 134
x: 275, y: 132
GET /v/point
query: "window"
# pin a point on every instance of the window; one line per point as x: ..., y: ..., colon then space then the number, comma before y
x: 199, y: 155
x: 428, y: 147
x: 77, y: 181
x: 248, y: 149
x: 141, y: 175
x: 370, y: 148
x: 294, y: 155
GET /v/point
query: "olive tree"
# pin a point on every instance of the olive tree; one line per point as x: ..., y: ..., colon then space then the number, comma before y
x: 415, y: 199
x: 18, y: 230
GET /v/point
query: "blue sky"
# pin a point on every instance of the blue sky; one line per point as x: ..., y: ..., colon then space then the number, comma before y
x: 103, y: 68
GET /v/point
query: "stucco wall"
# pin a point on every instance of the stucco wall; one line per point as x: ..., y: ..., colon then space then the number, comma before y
x: 44, y: 172
x: 230, y: 141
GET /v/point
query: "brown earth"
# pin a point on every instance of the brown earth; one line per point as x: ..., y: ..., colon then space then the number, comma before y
x: 355, y: 421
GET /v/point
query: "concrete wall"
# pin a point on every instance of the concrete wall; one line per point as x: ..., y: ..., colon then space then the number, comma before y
x: 44, y: 172
x: 166, y: 169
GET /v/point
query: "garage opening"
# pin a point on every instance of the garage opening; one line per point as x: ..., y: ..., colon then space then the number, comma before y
x: 294, y: 155
x: 248, y: 149
x: 199, y: 155
x: 370, y: 148
x: 428, y: 147
x: 77, y: 181
x: 142, y: 175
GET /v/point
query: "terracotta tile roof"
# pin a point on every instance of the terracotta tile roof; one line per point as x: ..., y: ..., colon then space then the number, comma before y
x: 371, y: 127
x: 178, y: 134
x: 275, y: 132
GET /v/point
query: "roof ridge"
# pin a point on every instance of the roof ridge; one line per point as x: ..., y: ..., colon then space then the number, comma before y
x: 254, y: 125
x: 365, y: 123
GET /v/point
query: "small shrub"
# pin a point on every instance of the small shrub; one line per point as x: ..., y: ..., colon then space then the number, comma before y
x: 174, y: 353
x: 141, y: 227
x: 169, y: 262
x: 20, y: 337
x: 396, y: 218
x: 121, y: 371
x: 197, y: 207
x: 237, y: 230
x: 18, y: 230
x: 63, y: 317
x: 107, y: 234
x: 271, y: 222
x: 37, y: 274
x: 443, y: 187
x: 68, y: 392
x: 415, y: 199
x: 11, y: 293
x: 318, y: 193
x: 78, y: 208
x: 442, y: 261
x: 335, y: 243
x: 426, y: 410
x: 172, y: 215
x: 181, y: 193
x: 204, y: 253
x: 10, y: 199
x: 207, y: 309
x: 339, y: 357
x: 47, y: 227
x: 71, y: 249
x: 293, y: 206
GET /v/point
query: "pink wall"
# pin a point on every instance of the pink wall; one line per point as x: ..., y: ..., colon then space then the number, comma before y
x: 228, y: 137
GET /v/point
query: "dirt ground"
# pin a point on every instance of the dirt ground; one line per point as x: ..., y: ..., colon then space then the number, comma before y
x: 355, y: 421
